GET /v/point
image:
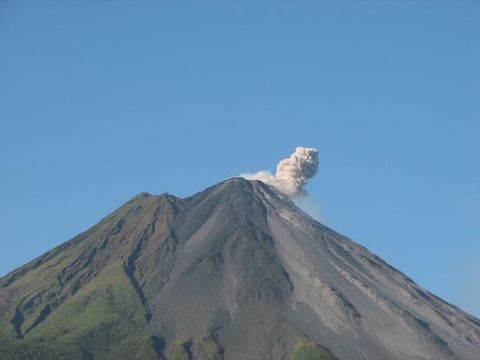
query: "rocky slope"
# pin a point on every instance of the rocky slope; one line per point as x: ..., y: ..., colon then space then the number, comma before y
x: 234, y: 272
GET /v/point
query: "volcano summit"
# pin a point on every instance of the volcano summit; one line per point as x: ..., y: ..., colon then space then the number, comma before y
x: 236, y: 272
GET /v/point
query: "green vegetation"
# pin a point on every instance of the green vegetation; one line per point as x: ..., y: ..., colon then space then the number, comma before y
x: 181, y: 351
x: 308, y: 350
x: 105, y: 321
x: 211, y: 349
x: 108, y: 301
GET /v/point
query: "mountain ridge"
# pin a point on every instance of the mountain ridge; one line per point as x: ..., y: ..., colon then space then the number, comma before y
x: 236, y: 271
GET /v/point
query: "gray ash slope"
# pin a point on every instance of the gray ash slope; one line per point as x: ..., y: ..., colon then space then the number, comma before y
x: 234, y: 272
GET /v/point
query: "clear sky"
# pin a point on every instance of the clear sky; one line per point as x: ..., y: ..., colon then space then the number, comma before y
x: 100, y: 100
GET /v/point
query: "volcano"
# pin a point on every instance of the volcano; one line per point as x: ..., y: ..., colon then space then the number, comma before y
x: 237, y: 272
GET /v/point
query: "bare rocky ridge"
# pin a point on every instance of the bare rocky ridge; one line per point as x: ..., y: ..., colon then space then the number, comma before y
x: 234, y: 272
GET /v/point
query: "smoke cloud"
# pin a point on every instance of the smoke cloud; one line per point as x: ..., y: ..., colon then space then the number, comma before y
x: 292, y: 173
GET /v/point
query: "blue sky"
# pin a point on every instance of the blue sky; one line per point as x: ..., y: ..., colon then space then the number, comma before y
x: 100, y: 100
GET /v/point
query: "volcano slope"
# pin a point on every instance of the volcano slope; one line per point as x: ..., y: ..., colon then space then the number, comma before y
x: 234, y: 272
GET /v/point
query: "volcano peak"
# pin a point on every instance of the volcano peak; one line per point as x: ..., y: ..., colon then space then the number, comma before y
x: 236, y: 271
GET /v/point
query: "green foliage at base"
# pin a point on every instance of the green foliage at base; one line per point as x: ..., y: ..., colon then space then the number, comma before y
x: 181, y: 351
x: 308, y: 350
x: 104, y: 320
x: 211, y: 349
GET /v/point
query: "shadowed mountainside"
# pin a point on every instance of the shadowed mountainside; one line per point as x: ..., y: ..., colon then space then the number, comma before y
x: 234, y: 272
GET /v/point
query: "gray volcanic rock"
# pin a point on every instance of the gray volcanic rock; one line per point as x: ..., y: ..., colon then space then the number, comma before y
x: 234, y: 272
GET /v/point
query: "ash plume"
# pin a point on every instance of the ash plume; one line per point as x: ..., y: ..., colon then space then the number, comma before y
x: 292, y: 173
